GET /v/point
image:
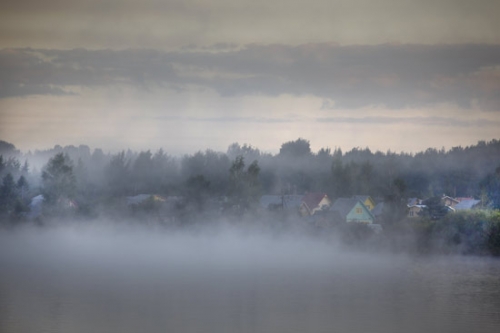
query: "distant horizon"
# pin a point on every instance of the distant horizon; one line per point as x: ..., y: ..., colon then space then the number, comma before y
x: 191, y: 75
x: 224, y: 150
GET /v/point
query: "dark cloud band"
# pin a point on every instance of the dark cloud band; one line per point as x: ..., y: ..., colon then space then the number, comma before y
x: 395, y: 76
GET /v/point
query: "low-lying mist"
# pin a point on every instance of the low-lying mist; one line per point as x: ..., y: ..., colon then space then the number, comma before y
x: 104, y: 277
x: 101, y: 249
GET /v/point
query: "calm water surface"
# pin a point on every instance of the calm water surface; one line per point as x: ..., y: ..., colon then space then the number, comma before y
x: 70, y: 281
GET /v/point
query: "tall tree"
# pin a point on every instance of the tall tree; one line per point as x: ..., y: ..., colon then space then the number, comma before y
x: 395, y: 207
x: 58, y: 180
x: 8, y: 194
x: 142, y: 175
x: 196, y: 191
x: 244, y: 186
x: 118, y: 175
x: 23, y: 187
x: 297, y: 148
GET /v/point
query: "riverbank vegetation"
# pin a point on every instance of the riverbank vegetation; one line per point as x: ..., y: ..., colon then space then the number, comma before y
x: 77, y: 183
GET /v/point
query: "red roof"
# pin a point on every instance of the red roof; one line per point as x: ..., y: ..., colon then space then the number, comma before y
x: 312, y: 200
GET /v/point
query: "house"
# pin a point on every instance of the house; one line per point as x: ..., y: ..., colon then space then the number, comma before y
x: 414, y: 201
x: 366, y: 200
x: 449, y: 201
x: 352, y: 210
x: 281, y: 202
x: 313, y: 202
x: 467, y: 204
x: 415, y: 210
x: 142, y: 198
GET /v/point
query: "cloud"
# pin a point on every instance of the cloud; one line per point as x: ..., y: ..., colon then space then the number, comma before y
x: 425, y: 121
x: 222, y: 120
x: 394, y: 76
x: 175, y: 23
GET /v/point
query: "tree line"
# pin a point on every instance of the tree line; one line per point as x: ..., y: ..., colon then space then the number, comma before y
x: 239, y: 176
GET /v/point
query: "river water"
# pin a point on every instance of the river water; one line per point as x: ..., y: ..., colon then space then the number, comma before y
x: 85, y: 280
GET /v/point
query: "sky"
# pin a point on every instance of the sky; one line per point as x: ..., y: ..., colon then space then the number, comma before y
x: 191, y: 75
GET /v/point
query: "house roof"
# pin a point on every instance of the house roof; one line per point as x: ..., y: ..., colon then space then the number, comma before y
x: 292, y: 201
x: 36, y: 206
x: 362, y: 198
x: 418, y: 206
x: 467, y: 204
x: 288, y: 201
x: 137, y: 199
x: 378, y: 209
x: 460, y: 199
x: 444, y: 197
x: 414, y: 201
x: 343, y: 206
x: 134, y: 200
x: 36, y: 201
x: 312, y: 200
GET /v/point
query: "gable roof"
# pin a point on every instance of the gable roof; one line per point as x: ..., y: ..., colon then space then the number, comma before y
x: 312, y: 200
x: 362, y: 198
x: 343, y: 206
x: 378, y: 209
x: 445, y: 197
x: 414, y: 201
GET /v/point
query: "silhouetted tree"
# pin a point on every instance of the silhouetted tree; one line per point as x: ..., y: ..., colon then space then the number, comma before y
x: 297, y: 148
x: 434, y: 208
x: 58, y: 180
x: 8, y: 194
x: 118, y: 175
x: 490, y: 186
x: 197, y: 191
x: 22, y: 187
x: 395, y: 207
x: 244, y: 186
x: 142, y: 176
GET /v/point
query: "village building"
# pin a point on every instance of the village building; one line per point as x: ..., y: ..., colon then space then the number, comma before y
x: 415, y: 210
x: 351, y: 210
x: 467, y: 204
x: 314, y: 202
x: 366, y: 200
x: 449, y: 201
x: 287, y: 202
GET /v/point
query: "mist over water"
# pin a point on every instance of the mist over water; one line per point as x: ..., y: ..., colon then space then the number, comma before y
x: 109, y: 278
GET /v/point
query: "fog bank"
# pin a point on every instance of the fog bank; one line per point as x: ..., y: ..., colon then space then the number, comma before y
x: 129, y: 278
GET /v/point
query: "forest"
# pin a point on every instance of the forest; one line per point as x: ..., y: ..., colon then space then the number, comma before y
x: 84, y: 183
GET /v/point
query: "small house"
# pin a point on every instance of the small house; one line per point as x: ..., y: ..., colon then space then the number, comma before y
x: 449, y: 201
x: 313, y: 202
x: 366, y: 200
x: 415, y: 210
x: 414, y: 201
x: 352, y: 210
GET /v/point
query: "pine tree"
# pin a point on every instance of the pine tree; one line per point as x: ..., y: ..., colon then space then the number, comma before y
x: 58, y: 180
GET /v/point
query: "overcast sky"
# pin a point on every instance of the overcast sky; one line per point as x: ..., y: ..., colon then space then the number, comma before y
x: 191, y: 75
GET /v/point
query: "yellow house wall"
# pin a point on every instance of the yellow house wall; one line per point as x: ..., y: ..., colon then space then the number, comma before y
x: 369, y: 204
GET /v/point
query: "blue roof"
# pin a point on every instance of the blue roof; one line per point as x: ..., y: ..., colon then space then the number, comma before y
x: 378, y: 209
x: 466, y: 204
x: 288, y: 201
